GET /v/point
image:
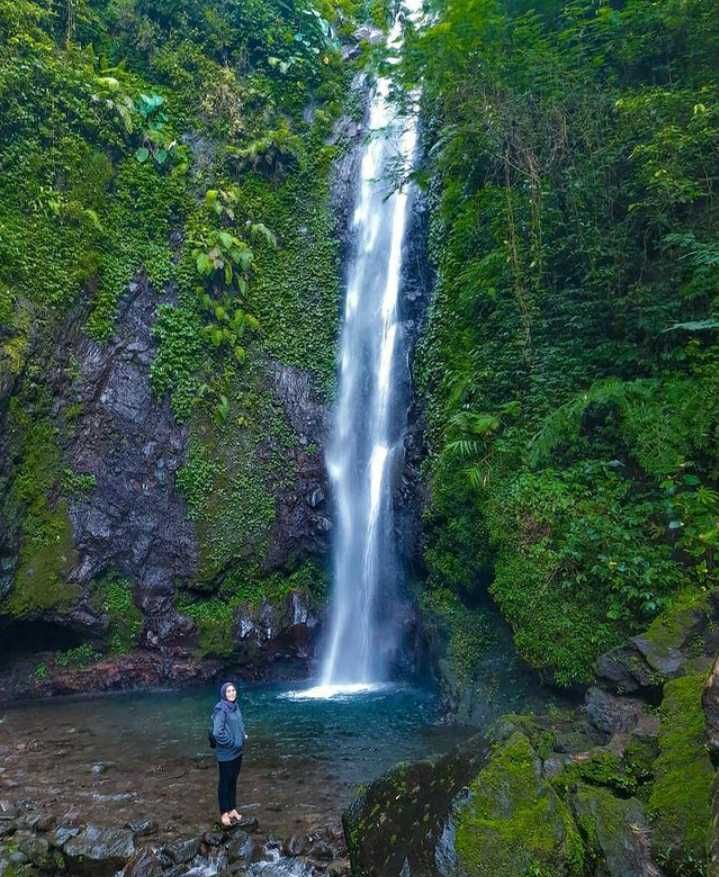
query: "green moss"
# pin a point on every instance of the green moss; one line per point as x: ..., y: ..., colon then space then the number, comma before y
x: 295, y: 295
x: 602, y: 768
x: 514, y: 821
x: 113, y: 595
x: 214, y: 620
x: 610, y: 827
x: 47, y: 552
x: 467, y: 632
x: 240, y: 456
x: 40, y: 581
x: 196, y: 479
x: 247, y: 587
x: 75, y: 483
x: 80, y: 656
x: 669, y: 630
x: 680, y: 800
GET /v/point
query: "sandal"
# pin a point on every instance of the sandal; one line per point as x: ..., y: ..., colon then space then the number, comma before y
x: 226, y: 820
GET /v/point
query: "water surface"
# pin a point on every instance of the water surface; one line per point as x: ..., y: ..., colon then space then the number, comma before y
x: 114, y: 758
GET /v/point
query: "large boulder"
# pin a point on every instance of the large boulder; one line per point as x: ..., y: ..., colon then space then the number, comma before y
x: 395, y: 825
x: 514, y: 821
x: 616, y: 832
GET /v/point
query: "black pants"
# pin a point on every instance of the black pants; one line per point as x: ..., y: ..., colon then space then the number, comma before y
x: 227, y: 785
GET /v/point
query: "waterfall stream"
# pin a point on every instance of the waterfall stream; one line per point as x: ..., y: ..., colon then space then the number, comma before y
x: 366, y: 446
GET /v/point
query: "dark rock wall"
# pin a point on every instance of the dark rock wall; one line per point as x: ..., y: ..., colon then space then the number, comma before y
x: 133, y: 520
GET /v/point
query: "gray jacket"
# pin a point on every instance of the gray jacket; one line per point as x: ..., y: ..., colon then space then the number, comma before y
x: 228, y: 729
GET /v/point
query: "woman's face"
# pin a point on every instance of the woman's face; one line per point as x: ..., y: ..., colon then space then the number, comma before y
x: 231, y: 693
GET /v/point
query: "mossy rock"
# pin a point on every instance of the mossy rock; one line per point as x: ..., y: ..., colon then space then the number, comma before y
x: 680, y: 801
x: 397, y: 822
x: 41, y: 581
x: 615, y: 831
x: 675, y: 635
x: 514, y: 822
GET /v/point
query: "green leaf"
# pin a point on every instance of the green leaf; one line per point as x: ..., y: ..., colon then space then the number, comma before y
x: 142, y: 154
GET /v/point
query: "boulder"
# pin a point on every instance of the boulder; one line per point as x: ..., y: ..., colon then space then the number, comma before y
x: 399, y: 818
x: 105, y: 849
x: 513, y: 820
x: 678, y: 641
x: 616, y: 832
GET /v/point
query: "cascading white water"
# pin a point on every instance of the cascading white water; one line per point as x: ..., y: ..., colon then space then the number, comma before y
x: 368, y: 420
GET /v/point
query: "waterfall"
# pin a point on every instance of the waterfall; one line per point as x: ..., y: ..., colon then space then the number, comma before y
x: 366, y: 445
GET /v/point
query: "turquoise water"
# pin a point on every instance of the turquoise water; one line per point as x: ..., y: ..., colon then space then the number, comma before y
x: 132, y: 755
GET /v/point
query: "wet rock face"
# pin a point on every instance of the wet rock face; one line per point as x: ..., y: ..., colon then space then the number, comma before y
x: 133, y: 519
x: 302, y: 523
x: 282, y: 634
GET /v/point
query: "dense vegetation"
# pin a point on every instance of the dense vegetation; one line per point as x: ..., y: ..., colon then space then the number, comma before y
x: 571, y: 365
x: 187, y: 143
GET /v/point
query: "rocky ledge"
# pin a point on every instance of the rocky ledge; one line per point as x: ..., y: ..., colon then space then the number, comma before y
x: 34, y: 842
x: 270, y: 640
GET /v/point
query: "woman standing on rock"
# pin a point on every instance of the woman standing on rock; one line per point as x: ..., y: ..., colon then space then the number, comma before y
x: 228, y: 734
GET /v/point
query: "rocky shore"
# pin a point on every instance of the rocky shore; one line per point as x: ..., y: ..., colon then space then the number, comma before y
x: 34, y: 842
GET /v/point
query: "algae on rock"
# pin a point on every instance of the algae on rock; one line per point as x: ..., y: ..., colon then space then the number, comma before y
x: 514, y: 821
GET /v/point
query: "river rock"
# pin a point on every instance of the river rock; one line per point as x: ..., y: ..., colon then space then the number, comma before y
x: 142, y: 826
x: 240, y: 848
x: 182, y: 851
x: 295, y: 845
x: 146, y: 863
x: 37, y: 850
x: 108, y: 848
x: 62, y: 834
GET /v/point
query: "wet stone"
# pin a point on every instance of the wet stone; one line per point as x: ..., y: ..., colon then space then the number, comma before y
x: 38, y: 822
x: 101, y: 845
x: 62, y: 834
x: 145, y: 864
x: 182, y: 851
x: 142, y: 827
x: 240, y: 847
x: 295, y: 846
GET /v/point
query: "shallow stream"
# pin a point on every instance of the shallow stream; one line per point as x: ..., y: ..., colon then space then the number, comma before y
x: 115, y: 758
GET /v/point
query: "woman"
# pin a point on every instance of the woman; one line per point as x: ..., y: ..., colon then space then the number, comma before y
x: 228, y: 729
